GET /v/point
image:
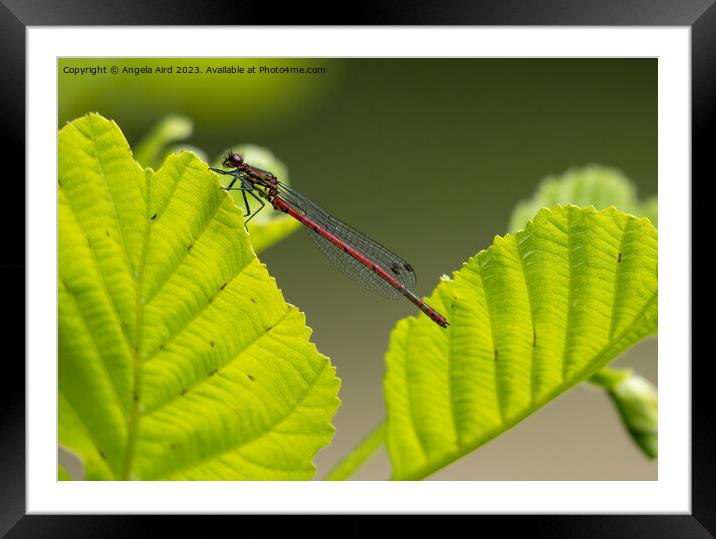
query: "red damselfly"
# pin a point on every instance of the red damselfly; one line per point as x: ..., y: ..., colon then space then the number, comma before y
x: 364, y: 260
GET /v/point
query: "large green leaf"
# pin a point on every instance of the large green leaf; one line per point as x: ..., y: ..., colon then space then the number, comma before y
x: 178, y: 356
x: 601, y: 187
x: 531, y: 316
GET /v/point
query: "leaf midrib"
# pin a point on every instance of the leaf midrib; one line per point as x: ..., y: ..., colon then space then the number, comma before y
x: 134, y: 413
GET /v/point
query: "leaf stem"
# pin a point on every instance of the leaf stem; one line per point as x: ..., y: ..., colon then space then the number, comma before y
x: 608, y: 377
x: 361, y: 453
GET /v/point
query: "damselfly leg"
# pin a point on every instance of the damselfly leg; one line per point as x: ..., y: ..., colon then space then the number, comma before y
x: 250, y: 191
x: 246, y: 187
x: 234, y: 175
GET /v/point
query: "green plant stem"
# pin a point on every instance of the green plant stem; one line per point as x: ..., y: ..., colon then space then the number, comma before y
x: 361, y: 453
x: 608, y: 377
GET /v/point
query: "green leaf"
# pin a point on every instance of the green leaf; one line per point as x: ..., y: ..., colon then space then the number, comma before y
x: 178, y: 356
x: 170, y: 129
x: 601, y: 187
x: 636, y: 400
x: 269, y: 226
x: 63, y: 475
x: 649, y: 209
x: 531, y: 316
x: 592, y: 185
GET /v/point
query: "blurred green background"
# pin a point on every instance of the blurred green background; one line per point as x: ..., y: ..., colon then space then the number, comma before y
x: 429, y: 157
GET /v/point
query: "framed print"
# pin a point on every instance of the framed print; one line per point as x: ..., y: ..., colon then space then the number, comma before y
x: 189, y: 350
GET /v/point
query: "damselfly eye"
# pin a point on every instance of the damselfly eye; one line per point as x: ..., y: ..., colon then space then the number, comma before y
x: 234, y: 160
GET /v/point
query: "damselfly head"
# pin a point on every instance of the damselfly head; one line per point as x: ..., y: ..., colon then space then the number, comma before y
x: 233, y: 160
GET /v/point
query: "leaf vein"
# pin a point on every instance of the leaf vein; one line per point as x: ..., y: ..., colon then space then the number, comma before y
x: 451, y: 391
x: 112, y: 382
x: 87, y: 431
x: 195, y: 315
x: 410, y: 399
x: 491, y: 322
x: 110, y: 299
x: 617, y: 280
x: 235, y: 357
x: 533, y: 378
x: 242, y: 443
x: 185, y: 253
x: 111, y: 199
x: 568, y: 315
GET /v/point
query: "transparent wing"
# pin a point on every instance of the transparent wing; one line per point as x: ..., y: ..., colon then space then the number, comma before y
x: 379, y: 254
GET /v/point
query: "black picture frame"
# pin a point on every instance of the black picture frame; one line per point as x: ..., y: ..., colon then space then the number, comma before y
x: 17, y: 15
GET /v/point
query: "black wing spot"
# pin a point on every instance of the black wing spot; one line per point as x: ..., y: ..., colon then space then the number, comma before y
x: 495, y: 355
x: 395, y: 269
x: 250, y: 377
x: 408, y: 267
x: 154, y: 217
x: 222, y: 286
x: 252, y: 300
x: 619, y: 259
